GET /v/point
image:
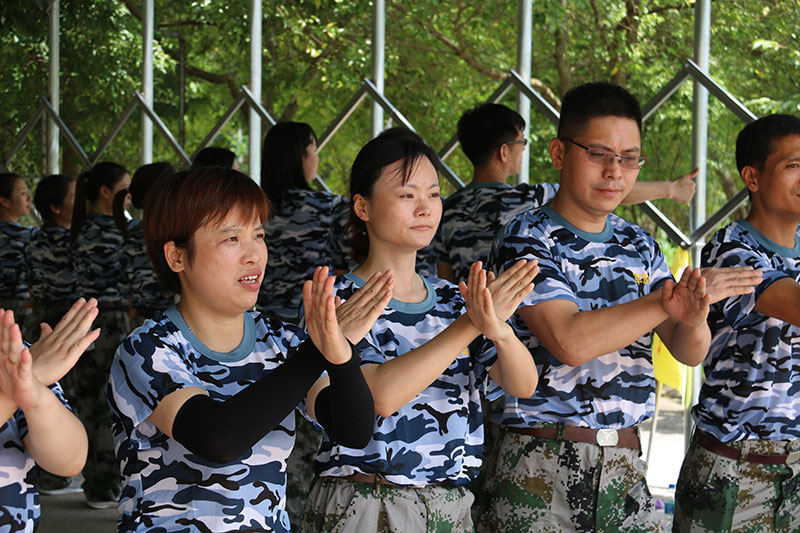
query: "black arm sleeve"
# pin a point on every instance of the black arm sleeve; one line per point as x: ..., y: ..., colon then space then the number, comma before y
x: 345, y: 408
x: 221, y: 431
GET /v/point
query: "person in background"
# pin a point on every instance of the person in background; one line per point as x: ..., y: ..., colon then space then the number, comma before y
x: 15, y: 203
x: 147, y: 296
x: 96, y: 255
x: 214, y: 156
x: 52, y: 278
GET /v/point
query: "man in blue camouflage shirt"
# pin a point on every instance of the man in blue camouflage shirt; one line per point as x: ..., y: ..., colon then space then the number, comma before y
x: 569, y: 458
x: 742, y: 470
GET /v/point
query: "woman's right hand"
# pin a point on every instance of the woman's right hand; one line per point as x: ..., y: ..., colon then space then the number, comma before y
x: 320, y: 313
x: 357, y: 315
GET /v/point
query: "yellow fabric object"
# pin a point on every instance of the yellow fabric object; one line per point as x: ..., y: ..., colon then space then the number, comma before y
x: 667, y: 369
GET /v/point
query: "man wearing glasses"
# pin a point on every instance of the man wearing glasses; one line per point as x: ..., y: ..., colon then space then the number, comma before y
x: 491, y: 136
x: 568, y: 459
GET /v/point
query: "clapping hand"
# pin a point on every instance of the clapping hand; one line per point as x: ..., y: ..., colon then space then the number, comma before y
x: 320, y: 313
x: 357, y: 315
x: 687, y: 301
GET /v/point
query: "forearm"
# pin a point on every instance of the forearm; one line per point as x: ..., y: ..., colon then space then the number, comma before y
x: 586, y: 335
x: 648, y: 190
x: 514, y: 369
x: 396, y: 382
x: 688, y: 344
x: 240, y: 421
x: 56, y: 438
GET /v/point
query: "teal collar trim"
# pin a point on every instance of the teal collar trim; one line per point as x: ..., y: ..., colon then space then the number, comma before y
x: 771, y: 245
x: 404, y: 307
x: 244, y: 349
x: 603, y: 236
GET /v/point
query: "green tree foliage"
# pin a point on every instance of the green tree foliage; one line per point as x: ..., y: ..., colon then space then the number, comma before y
x: 441, y: 58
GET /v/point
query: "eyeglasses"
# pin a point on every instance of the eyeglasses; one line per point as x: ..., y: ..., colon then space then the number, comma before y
x: 605, y: 158
x: 523, y: 142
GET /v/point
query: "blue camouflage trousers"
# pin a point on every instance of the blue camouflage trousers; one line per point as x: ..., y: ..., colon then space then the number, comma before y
x: 716, y: 494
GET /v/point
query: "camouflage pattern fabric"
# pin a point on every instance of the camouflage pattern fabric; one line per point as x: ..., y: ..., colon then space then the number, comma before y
x: 13, y: 274
x: 138, y: 273
x: 594, y: 270
x: 753, y: 364
x: 85, y: 387
x: 475, y: 214
x: 96, y: 256
x: 341, y: 506
x: 49, y: 263
x: 19, y: 494
x: 340, y: 252
x: 438, y: 435
x: 167, y: 488
x: 717, y: 494
x: 555, y: 486
x: 300, y: 467
x: 298, y: 238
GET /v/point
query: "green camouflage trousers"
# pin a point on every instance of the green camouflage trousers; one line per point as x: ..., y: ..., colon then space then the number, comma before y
x: 85, y: 387
x: 341, y: 506
x: 300, y: 466
x: 715, y: 493
x: 549, y: 485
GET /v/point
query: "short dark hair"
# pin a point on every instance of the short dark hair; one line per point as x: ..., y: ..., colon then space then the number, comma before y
x: 141, y: 182
x: 485, y: 127
x: 592, y: 100
x: 181, y: 203
x: 394, y: 144
x: 754, y: 143
x: 214, y: 156
x: 282, y: 159
x: 50, y: 192
x: 7, y: 181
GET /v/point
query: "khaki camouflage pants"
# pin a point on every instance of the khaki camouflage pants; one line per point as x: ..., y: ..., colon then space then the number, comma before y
x: 341, y: 506
x: 715, y: 493
x: 549, y: 485
x: 85, y: 387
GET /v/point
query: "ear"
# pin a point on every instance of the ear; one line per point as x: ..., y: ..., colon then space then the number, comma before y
x: 5, y: 202
x: 750, y: 178
x: 105, y: 192
x: 503, y: 153
x: 176, y: 257
x: 557, y: 152
x: 361, y: 207
x: 55, y: 210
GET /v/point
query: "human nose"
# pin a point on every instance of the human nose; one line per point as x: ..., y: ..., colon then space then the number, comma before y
x: 613, y: 168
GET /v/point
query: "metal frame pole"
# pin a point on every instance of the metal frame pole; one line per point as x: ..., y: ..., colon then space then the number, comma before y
x: 255, y: 89
x: 524, y: 44
x: 378, y: 48
x: 147, y: 80
x: 55, y: 86
x: 702, y: 33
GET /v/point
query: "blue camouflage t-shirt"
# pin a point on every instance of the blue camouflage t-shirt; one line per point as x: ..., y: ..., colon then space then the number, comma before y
x: 437, y: 436
x: 96, y: 256
x: 166, y: 487
x: 752, y: 386
x: 298, y: 238
x: 14, y: 238
x: 49, y: 259
x: 138, y: 272
x: 594, y: 270
x: 475, y: 214
x: 19, y: 494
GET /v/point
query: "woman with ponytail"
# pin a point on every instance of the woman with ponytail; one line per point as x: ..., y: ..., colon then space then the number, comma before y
x: 97, y: 251
x: 147, y: 296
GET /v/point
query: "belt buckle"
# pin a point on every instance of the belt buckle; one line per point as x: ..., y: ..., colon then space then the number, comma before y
x: 607, y: 437
x: 793, y: 457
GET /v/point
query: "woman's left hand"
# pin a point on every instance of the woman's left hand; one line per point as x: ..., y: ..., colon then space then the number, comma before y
x: 320, y: 313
